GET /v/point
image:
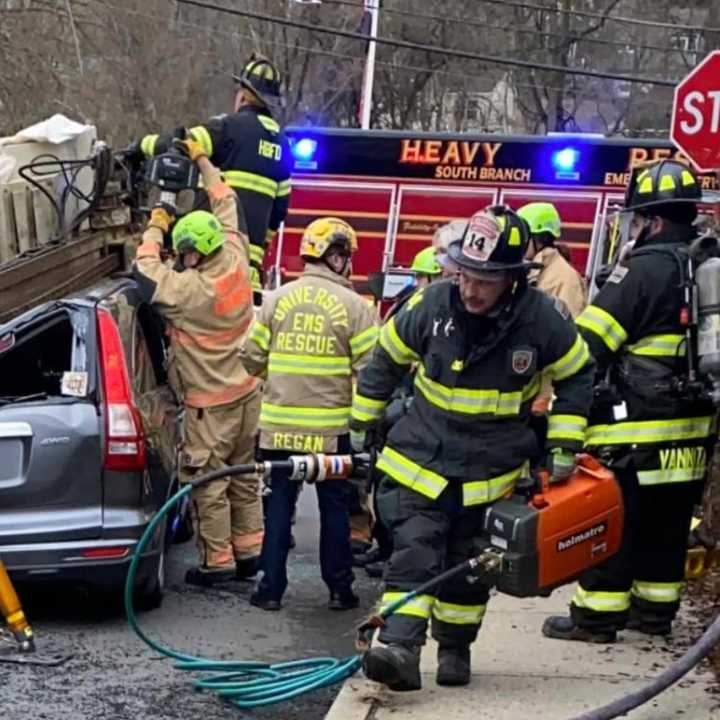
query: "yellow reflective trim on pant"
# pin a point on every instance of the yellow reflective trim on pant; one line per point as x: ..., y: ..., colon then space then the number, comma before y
x: 200, y: 133
x: 283, y: 188
x: 257, y: 254
x: 308, y: 364
x: 365, y: 409
x: 251, y: 181
x: 659, y: 346
x: 601, y: 601
x: 649, y: 431
x: 268, y: 123
x: 255, y: 278
x: 304, y: 416
x: 658, y: 592
x: 364, y: 340
x: 410, y: 474
x: 147, y: 145
x: 419, y: 606
x: 474, y: 402
x: 392, y: 344
x: 567, y: 427
x: 260, y: 335
x: 571, y: 362
x: 270, y: 235
x: 604, y: 325
x: 458, y: 614
x: 667, y: 476
x: 479, y: 492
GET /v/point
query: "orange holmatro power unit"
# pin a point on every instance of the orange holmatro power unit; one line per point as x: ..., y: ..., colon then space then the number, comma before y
x: 552, y: 533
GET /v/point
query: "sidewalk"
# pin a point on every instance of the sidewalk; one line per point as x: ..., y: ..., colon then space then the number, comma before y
x: 518, y: 674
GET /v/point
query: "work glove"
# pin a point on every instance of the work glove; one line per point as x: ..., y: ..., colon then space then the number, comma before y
x: 162, y: 216
x: 358, y: 440
x: 561, y: 465
x: 192, y: 147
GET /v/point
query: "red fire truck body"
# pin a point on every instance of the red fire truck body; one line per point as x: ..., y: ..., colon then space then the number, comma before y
x: 397, y: 188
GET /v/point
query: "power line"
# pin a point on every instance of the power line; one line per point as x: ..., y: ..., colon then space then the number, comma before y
x: 339, y: 55
x: 430, y: 48
x: 570, y: 38
x: 599, y: 16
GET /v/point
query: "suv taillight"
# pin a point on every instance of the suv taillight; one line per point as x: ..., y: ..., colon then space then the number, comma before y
x: 124, y: 439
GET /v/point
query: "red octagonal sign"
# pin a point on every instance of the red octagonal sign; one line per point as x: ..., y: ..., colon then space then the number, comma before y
x: 696, y: 114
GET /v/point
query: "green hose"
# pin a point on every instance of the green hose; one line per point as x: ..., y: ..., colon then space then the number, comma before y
x: 248, y: 684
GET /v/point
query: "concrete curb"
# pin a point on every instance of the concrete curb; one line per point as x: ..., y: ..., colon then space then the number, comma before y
x: 358, y: 700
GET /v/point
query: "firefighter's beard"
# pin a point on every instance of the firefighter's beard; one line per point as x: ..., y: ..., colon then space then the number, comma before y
x: 480, y: 297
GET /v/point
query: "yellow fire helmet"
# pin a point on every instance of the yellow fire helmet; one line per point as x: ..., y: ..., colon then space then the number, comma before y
x: 320, y: 234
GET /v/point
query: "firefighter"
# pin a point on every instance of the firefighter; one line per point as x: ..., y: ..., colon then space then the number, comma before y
x: 655, y: 436
x: 444, y: 235
x: 250, y: 148
x: 206, y: 302
x: 426, y: 267
x: 310, y: 338
x: 480, y: 345
x: 556, y: 277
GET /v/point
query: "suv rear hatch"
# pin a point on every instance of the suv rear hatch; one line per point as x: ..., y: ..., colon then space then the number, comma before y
x: 50, y: 429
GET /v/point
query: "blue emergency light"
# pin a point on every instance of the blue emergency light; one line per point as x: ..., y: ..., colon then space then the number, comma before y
x: 304, y: 149
x: 564, y: 161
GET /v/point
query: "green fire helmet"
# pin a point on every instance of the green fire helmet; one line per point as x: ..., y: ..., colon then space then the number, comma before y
x: 425, y: 262
x: 199, y: 231
x: 542, y: 218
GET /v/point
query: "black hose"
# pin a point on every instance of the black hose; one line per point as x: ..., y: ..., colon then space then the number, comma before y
x: 670, y: 675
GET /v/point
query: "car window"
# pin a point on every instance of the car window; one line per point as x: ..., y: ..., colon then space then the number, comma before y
x: 47, y: 357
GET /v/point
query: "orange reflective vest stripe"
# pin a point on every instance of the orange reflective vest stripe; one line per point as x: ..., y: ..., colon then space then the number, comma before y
x: 210, y: 398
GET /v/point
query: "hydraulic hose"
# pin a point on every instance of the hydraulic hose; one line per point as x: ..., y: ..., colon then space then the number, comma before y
x: 249, y: 684
x: 668, y: 677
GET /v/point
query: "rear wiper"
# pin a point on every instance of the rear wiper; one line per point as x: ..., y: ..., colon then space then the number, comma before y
x: 9, y: 400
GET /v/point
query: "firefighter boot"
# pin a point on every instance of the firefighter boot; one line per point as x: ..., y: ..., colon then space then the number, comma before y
x: 562, y: 627
x: 648, y: 625
x: 453, y: 665
x: 394, y: 665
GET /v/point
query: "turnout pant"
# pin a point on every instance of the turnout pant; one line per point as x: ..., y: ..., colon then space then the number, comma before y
x: 430, y: 536
x: 644, y: 580
x: 333, y: 503
x: 228, y: 512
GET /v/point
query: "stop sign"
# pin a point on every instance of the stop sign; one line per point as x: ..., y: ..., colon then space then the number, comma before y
x: 695, y: 125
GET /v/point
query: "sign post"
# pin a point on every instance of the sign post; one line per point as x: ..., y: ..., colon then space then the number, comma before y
x: 695, y: 126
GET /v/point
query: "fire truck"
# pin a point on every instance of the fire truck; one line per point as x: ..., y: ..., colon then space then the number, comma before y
x: 396, y: 188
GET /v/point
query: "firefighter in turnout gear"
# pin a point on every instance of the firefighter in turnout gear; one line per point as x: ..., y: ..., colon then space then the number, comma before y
x: 480, y: 346
x: 206, y: 301
x: 311, y: 336
x: 250, y: 148
x: 656, y: 435
x: 556, y: 277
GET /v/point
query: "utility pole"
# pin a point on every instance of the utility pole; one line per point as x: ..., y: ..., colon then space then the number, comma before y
x: 372, y: 7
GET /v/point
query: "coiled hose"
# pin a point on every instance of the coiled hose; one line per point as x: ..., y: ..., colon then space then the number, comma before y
x: 249, y: 684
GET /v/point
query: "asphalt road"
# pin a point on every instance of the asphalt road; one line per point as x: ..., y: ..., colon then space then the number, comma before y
x: 114, y: 676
